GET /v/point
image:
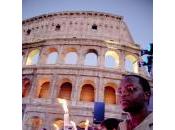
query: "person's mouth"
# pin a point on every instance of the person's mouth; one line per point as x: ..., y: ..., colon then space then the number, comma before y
x: 124, y: 101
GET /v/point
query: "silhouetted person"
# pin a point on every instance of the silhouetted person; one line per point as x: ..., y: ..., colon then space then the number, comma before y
x: 110, y: 124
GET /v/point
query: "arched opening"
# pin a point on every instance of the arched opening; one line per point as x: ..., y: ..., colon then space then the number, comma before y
x: 44, y: 90
x: 94, y: 27
x: 33, y: 57
x: 57, y: 27
x: 58, y: 124
x: 109, y: 95
x: 28, y: 31
x: 71, y: 58
x: 65, y: 91
x: 131, y: 64
x: 52, y: 58
x: 91, y: 58
x: 87, y: 93
x: 111, y: 59
x: 35, y: 123
x: 25, y: 87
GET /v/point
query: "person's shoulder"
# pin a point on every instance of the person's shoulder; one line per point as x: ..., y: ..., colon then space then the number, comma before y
x: 146, y: 124
x: 122, y: 125
x: 149, y: 118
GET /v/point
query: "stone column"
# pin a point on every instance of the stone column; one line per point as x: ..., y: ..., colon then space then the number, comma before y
x: 137, y: 63
x: 81, y: 57
x: 25, y: 57
x: 75, y: 94
x: 24, y: 121
x: 79, y: 87
x: 102, y: 58
x: 46, y: 122
x: 42, y: 57
x: 116, y: 97
x: 122, y: 61
x: 52, y: 86
x: 33, y: 86
x: 56, y: 88
x: 98, y: 57
x: 141, y: 68
x: 100, y: 90
x: 60, y: 54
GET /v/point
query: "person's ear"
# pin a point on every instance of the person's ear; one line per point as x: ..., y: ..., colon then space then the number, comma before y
x: 147, y: 95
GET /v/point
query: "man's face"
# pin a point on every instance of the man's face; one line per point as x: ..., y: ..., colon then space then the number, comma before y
x: 131, y: 95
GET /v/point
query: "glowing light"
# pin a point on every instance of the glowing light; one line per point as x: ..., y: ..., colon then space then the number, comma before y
x: 74, y: 125
x: 66, y: 115
x: 64, y: 104
x: 33, y: 57
x: 111, y: 59
x: 56, y: 127
x: 131, y: 63
x: 86, y: 124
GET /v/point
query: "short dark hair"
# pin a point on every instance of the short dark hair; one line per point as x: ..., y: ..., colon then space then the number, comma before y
x: 143, y: 82
x: 111, y: 123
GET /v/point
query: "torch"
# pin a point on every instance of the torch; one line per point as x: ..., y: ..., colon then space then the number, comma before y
x: 86, y: 124
x: 74, y: 125
x: 56, y: 127
x: 66, y: 114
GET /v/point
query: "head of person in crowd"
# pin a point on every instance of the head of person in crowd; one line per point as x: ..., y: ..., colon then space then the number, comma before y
x: 134, y: 93
x: 110, y: 124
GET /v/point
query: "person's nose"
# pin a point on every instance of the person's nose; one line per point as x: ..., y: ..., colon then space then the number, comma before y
x: 124, y: 93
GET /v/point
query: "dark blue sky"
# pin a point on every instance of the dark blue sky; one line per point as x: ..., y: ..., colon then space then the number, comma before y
x: 138, y: 14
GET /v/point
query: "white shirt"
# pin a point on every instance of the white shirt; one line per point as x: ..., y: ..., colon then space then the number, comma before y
x: 146, y: 124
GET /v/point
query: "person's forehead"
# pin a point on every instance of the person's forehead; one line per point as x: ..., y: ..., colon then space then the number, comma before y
x: 129, y: 80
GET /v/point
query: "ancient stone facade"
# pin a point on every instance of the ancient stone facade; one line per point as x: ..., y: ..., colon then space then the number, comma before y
x: 50, y: 41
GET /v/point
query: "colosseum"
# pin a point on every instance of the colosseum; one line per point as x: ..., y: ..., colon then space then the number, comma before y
x: 79, y: 56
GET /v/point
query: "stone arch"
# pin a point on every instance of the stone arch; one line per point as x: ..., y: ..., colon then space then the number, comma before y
x: 26, y: 86
x: 110, y: 93
x: 34, y: 123
x: 57, y: 27
x: 94, y: 26
x: 43, y: 88
x: 111, y: 59
x: 52, y: 56
x: 58, y: 123
x: 65, y: 89
x: 71, y: 56
x: 91, y: 57
x: 131, y: 63
x: 87, y: 92
x: 44, y: 91
x: 33, y: 57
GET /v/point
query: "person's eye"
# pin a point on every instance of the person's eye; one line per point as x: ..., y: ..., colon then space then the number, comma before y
x: 131, y: 89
